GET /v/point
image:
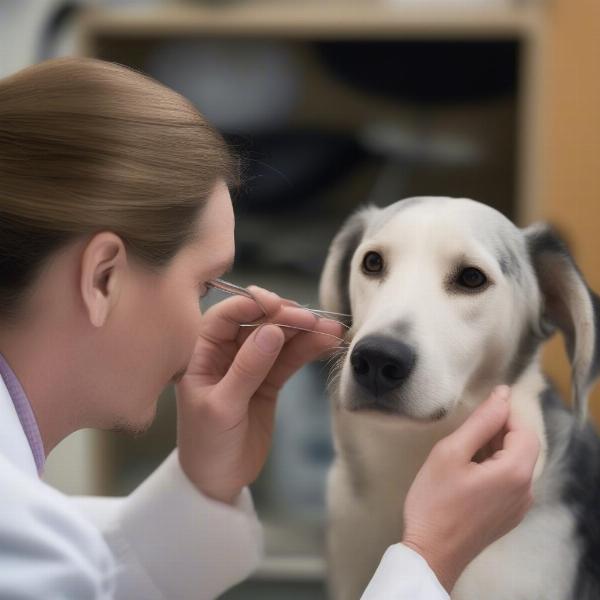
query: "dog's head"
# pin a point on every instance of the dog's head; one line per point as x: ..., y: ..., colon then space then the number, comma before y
x: 448, y: 298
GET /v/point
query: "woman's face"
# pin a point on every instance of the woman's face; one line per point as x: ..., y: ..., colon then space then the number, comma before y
x: 159, y: 315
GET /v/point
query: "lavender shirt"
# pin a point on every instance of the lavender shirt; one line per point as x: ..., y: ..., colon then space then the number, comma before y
x: 25, y: 412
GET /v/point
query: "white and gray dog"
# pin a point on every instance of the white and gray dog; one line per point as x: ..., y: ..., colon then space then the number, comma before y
x: 448, y: 299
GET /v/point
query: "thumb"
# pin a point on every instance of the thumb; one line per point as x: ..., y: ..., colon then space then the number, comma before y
x: 252, y: 364
x: 485, y: 422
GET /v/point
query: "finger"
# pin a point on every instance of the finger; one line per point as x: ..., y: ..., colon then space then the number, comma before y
x: 288, y: 302
x: 221, y: 323
x: 251, y: 365
x: 521, y: 444
x: 497, y: 441
x: 305, y: 348
x: 263, y: 298
x: 481, y: 426
x: 292, y: 320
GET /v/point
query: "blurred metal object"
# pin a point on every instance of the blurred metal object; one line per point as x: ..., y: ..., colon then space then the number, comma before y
x: 229, y: 288
x: 234, y: 290
x: 238, y: 290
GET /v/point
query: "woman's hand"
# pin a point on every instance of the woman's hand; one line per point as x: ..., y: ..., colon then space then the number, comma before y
x: 226, y: 399
x: 456, y: 507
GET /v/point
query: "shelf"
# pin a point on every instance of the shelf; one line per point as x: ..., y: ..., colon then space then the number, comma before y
x: 326, y: 20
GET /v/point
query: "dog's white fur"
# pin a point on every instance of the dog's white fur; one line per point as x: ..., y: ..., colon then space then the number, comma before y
x: 465, y: 344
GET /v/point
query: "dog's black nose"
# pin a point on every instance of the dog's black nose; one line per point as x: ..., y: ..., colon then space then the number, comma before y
x: 381, y: 363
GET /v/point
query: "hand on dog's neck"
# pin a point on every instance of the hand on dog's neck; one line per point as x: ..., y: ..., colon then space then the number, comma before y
x: 525, y: 405
x: 373, y: 439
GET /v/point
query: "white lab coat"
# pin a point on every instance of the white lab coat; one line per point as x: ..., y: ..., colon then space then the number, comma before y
x: 165, y: 541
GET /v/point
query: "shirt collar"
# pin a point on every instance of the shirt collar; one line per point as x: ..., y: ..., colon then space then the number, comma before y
x: 24, y: 412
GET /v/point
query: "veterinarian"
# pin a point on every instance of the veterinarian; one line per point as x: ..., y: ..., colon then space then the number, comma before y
x: 114, y: 213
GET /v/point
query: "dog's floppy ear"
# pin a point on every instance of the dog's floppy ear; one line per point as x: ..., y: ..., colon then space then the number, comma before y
x: 334, y: 292
x: 569, y: 305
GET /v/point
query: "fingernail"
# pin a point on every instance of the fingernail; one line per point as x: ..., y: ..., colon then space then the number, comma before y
x: 288, y: 302
x: 264, y: 291
x: 502, y: 392
x: 267, y: 338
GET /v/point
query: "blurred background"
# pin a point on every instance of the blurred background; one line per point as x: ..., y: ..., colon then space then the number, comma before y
x: 332, y: 104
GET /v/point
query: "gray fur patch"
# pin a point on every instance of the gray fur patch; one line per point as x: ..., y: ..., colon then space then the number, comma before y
x: 525, y: 355
x: 349, y: 242
x: 582, y: 494
x: 510, y: 264
x: 574, y: 458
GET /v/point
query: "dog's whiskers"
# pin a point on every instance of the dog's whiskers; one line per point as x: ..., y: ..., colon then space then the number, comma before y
x: 335, y: 364
x: 326, y: 313
x: 333, y: 381
x: 339, y: 354
x: 297, y: 328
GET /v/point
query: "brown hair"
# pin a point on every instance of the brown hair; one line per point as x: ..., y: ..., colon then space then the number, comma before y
x: 88, y: 146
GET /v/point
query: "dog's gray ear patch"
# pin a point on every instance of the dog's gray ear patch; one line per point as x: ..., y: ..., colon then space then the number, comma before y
x: 569, y: 305
x: 595, y: 368
x: 510, y: 264
x: 334, y: 288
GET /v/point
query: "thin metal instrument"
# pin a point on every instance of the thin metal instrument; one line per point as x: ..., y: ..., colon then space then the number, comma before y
x: 237, y: 290
x: 234, y: 290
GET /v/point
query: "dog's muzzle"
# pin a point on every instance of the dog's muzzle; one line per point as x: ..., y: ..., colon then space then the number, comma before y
x: 381, y: 364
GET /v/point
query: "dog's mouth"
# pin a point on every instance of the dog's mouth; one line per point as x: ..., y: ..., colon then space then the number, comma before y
x: 380, y: 406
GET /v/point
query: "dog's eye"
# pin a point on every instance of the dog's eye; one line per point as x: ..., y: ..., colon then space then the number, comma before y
x: 372, y: 262
x: 471, y: 278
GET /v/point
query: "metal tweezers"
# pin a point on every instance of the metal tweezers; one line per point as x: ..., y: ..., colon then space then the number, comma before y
x: 237, y: 290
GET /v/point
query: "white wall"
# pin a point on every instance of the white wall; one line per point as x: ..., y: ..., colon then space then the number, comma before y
x: 73, y: 466
x: 20, y: 24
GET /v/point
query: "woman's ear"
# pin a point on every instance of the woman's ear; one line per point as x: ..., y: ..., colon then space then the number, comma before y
x: 103, y: 265
x: 334, y: 287
x: 569, y: 305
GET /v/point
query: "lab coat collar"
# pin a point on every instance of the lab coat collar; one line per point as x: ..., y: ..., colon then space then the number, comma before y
x: 13, y: 441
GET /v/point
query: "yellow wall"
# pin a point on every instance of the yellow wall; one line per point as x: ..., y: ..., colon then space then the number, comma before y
x: 571, y: 146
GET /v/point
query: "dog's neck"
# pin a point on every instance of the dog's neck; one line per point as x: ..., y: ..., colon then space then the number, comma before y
x: 393, y: 449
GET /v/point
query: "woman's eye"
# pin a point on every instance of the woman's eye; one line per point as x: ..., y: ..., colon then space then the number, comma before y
x: 471, y: 278
x: 372, y: 262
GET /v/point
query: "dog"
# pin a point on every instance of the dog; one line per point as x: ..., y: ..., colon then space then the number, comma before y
x: 447, y: 298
